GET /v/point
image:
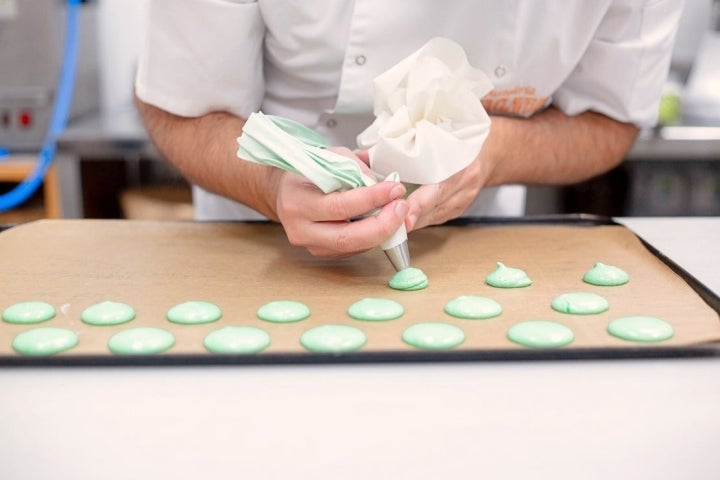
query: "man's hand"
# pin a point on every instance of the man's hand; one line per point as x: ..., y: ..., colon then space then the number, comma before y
x: 322, y: 223
x: 437, y: 203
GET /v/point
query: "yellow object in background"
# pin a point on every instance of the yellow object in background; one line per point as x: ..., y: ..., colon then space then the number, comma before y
x: 670, y: 112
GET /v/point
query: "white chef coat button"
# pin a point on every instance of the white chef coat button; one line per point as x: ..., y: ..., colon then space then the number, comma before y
x: 500, y: 71
x: 360, y: 60
x: 331, y: 123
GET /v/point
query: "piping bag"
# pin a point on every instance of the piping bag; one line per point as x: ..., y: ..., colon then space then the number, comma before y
x: 429, y: 119
x: 283, y: 143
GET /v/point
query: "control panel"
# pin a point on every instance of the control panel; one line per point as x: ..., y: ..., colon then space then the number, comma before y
x: 24, y: 116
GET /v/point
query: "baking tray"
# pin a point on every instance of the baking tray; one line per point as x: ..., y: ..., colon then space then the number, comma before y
x: 63, y: 264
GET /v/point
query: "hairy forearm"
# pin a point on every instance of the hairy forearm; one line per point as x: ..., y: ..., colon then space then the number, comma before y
x: 204, y: 150
x: 553, y: 148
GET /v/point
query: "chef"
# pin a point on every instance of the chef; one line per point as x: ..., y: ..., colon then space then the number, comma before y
x: 573, y: 83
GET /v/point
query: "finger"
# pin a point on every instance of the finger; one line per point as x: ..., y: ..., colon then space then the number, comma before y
x: 364, y: 156
x: 338, y: 239
x: 438, y: 203
x: 337, y: 206
x: 296, y: 197
x: 414, y: 212
x: 423, y: 203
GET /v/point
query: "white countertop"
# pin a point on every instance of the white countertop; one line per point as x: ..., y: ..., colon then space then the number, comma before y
x: 634, y: 419
x: 691, y: 242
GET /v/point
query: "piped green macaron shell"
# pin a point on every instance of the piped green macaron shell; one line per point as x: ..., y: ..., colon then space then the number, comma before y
x: 44, y: 341
x: 237, y: 340
x: 28, y: 312
x: 194, y: 312
x: 333, y: 339
x: 141, y: 341
x: 433, y: 336
x: 540, y: 334
x: 108, y: 313
x: 580, y: 303
x: 641, y: 328
x: 473, y: 307
x: 283, y: 311
x: 375, y: 309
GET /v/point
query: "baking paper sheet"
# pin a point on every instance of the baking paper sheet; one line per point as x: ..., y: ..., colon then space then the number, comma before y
x: 153, y: 266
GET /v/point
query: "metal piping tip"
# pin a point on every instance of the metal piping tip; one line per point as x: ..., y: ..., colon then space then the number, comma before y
x: 399, y: 256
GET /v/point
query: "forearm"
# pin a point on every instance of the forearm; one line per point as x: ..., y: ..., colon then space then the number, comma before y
x: 553, y: 148
x: 204, y: 150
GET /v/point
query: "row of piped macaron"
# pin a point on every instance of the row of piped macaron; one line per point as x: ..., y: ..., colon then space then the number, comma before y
x: 426, y: 335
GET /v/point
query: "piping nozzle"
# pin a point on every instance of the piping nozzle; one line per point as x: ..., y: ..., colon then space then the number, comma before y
x: 396, y: 249
x: 399, y: 256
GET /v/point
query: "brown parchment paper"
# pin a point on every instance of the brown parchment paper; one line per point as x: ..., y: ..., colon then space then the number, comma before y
x: 73, y: 264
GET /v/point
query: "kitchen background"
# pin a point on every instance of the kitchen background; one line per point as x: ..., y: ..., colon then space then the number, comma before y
x: 106, y: 168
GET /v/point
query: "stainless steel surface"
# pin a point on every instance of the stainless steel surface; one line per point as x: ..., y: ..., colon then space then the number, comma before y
x: 107, y: 136
x: 399, y: 256
x: 677, y: 143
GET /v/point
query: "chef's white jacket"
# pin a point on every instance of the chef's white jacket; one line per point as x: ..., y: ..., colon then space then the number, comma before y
x: 315, y: 60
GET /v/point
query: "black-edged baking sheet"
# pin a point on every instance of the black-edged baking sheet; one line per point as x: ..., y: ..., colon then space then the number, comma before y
x: 153, y: 266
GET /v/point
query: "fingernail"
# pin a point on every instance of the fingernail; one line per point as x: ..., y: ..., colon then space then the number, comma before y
x: 401, y: 209
x: 397, y: 191
x: 411, y: 219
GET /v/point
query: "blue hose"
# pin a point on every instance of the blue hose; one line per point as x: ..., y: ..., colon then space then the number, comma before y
x: 61, y: 110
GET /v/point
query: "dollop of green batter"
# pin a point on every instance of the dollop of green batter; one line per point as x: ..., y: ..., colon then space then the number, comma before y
x: 410, y: 278
x: 606, y: 275
x: 508, y: 277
